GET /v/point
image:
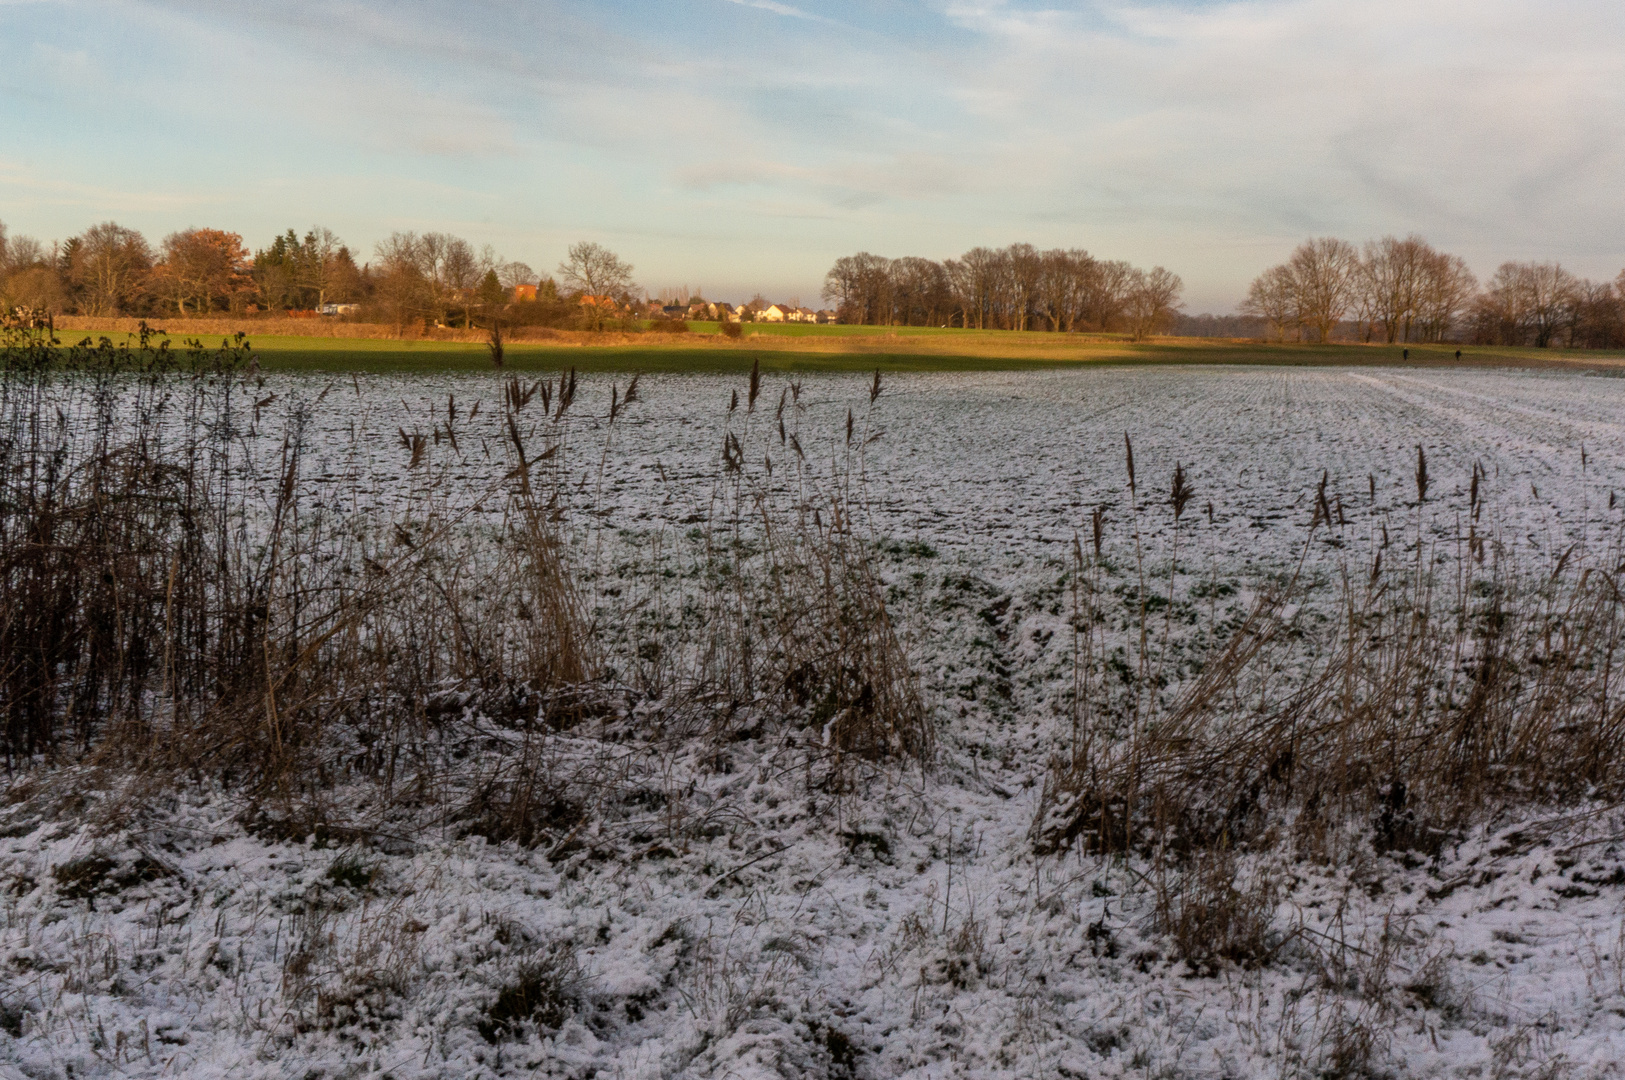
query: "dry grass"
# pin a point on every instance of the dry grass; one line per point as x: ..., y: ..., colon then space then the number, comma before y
x: 797, y: 614
x: 148, y: 595
x: 160, y: 612
x: 157, y: 611
x: 1454, y: 681
x: 850, y: 347
x: 1214, y: 916
x: 68, y: 326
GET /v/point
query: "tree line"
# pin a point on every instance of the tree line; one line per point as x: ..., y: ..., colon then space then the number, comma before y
x: 1395, y: 291
x: 1392, y: 290
x: 112, y: 270
x: 1013, y: 288
x: 432, y: 277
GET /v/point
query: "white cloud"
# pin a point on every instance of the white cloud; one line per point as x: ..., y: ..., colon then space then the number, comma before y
x: 1493, y: 126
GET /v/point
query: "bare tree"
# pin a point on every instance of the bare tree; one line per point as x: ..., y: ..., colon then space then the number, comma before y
x: 322, y: 269
x: 1324, y: 273
x: 981, y: 267
x: 1003, y: 291
x: 19, y: 253
x: 1598, y: 316
x: 27, y: 253
x: 1586, y: 314
x: 958, y: 278
x: 27, y: 279
x: 1365, y: 305
x: 597, y: 271
x: 843, y: 287
x: 488, y: 260
x: 1499, y: 315
x: 860, y: 288
x: 403, y: 289
x: 1273, y: 297
x: 1151, y: 301
x: 1445, y: 289
x: 1065, y: 285
x: 1108, y: 292
x: 1394, y: 270
x: 457, y: 273
x: 919, y: 291
x: 1025, y: 268
x: 108, y: 264
x: 512, y: 274
x: 1524, y: 301
x: 1550, y: 291
x: 1013, y: 288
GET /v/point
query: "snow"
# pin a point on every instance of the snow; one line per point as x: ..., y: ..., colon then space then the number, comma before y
x: 751, y: 929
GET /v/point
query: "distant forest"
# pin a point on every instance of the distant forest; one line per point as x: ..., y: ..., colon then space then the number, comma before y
x: 1396, y: 290
x: 1217, y: 326
x: 1013, y: 288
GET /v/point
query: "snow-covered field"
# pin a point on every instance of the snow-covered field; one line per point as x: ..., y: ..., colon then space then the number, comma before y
x: 738, y: 924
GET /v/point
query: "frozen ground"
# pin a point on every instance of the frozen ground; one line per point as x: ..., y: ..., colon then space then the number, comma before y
x: 732, y: 925
x: 1006, y: 465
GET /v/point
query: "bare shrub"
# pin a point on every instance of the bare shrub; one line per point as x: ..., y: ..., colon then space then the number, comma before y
x: 536, y: 788
x: 1215, y: 916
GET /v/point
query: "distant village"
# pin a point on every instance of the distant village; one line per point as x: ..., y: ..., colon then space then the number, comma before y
x: 702, y: 310
x: 698, y: 310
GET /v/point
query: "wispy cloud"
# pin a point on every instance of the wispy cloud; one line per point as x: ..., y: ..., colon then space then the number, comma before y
x: 779, y: 9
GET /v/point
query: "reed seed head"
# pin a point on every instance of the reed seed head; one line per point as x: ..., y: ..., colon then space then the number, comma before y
x: 1180, y: 493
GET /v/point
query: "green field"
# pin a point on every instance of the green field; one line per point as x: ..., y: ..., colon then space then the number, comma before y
x: 798, y: 347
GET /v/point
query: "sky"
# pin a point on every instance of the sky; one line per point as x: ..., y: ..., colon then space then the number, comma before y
x: 743, y: 145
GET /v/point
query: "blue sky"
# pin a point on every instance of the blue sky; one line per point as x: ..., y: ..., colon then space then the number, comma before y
x: 740, y: 145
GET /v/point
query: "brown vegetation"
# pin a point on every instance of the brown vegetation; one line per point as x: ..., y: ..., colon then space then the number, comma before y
x: 1451, y: 680
x: 160, y: 611
x: 417, y: 283
x: 267, y: 325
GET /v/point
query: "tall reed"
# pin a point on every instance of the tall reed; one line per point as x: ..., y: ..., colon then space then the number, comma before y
x: 1412, y: 709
